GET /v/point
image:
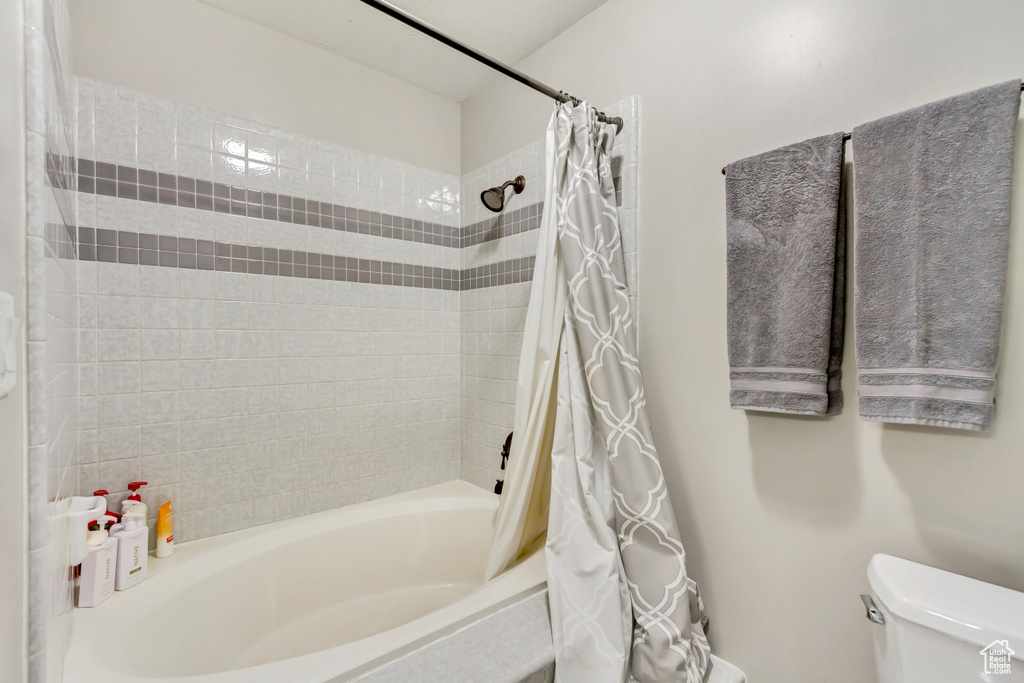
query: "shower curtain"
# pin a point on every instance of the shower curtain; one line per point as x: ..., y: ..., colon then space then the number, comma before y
x: 583, y: 465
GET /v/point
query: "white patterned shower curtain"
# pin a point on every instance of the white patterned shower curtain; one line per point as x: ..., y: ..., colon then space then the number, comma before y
x: 583, y: 465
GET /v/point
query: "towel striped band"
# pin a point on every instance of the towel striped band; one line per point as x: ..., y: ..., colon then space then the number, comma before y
x: 968, y: 386
x: 980, y: 374
x: 777, y: 385
x: 928, y: 391
x: 781, y: 379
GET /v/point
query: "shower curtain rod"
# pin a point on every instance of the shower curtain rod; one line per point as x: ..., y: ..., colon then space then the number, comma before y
x: 848, y: 136
x: 409, y: 20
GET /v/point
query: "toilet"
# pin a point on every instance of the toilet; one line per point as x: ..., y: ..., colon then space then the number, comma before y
x: 932, y: 626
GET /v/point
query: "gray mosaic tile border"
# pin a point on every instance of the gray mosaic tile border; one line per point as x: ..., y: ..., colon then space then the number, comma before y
x: 158, y: 250
x: 126, y: 182
x: 61, y: 241
x: 503, y: 225
x: 145, y: 249
x: 496, y: 274
x: 60, y: 170
x: 60, y: 179
x: 118, y: 246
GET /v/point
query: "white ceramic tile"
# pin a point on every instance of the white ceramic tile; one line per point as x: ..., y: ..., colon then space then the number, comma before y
x: 156, y: 118
x: 193, y: 129
x: 160, y: 438
x: 160, y: 407
x: 159, y: 312
x: 118, y: 345
x: 193, y: 162
x: 117, y: 444
x: 118, y: 378
x: 157, y: 154
x: 119, y: 410
x: 160, y: 375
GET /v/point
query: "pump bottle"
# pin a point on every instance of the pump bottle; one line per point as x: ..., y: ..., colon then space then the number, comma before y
x: 96, y: 582
x: 132, y: 549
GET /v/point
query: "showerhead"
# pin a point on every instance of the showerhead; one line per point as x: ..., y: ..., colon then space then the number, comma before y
x: 494, y: 198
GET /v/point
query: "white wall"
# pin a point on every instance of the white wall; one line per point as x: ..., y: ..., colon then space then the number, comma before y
x: 12, y: 281
x: 780, y: 515
x: 190, y: 52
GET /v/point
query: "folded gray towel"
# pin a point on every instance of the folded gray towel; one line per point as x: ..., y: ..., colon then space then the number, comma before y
x: 785, y: 225
x: 932, y: 205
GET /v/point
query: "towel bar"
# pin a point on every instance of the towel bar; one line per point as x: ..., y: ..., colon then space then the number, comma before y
x: 847, y: 136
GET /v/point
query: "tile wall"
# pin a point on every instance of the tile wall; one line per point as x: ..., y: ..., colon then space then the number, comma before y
x: 270, y: 323
x: 51, y: 325
x: 273, y: 326
x: 493, y: 316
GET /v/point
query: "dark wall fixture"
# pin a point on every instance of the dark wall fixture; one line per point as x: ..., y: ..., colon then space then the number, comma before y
x: 499, y: 483
x: 494, y: 197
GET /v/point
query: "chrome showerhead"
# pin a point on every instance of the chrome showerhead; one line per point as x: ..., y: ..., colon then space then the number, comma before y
x: 494, y: 198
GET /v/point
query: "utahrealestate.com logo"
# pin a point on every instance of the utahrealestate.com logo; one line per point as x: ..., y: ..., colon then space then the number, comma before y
x: 997, y: 657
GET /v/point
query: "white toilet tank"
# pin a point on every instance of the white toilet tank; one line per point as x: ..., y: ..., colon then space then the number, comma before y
x: 944, y: 628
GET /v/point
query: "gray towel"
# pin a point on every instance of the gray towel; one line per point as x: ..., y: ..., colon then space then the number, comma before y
x: 932, y: 206
x: 786, y: 227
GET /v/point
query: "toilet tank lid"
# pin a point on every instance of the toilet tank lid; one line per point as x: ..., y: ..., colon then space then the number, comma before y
x: 955, y: 605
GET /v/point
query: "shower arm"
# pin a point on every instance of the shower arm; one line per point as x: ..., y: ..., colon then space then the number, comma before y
x: 425, y: 28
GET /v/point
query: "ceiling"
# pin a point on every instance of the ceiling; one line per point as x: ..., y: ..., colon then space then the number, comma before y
x: 507, y: 30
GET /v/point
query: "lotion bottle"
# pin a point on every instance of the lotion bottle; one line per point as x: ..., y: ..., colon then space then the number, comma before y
x: 165, y: 531
x: 132, y: 550
x: 96, y: 582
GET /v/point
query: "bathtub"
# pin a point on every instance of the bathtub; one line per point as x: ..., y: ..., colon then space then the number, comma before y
x: 308, y: 600
x: 317, y: 599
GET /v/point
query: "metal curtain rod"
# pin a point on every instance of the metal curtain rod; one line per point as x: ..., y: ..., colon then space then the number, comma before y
x: 409, y: 20
x: 848, y: 136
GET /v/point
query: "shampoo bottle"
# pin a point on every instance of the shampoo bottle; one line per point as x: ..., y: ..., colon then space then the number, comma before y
x: 96, y: 583
x: 165, y: 531
x: 132, y: 550
x: 136, y: 498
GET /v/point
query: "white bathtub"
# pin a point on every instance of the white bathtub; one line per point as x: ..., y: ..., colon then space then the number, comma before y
x: 311, y: 600
x: 304, y: 601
